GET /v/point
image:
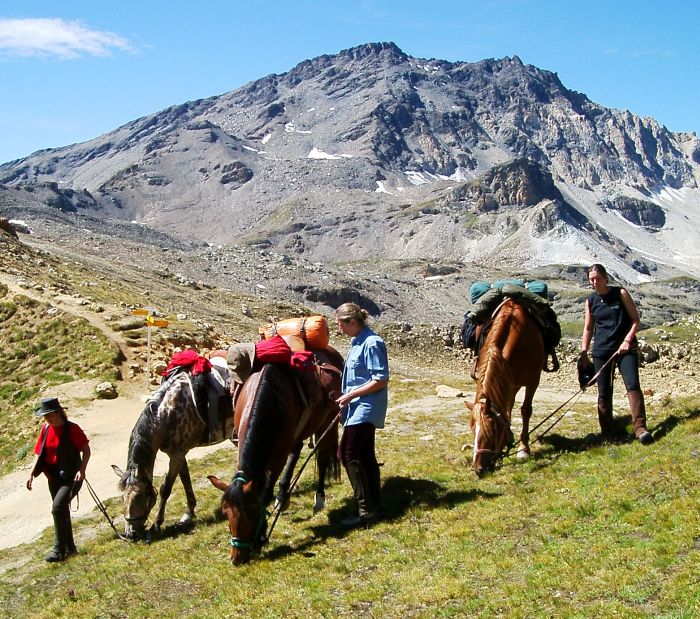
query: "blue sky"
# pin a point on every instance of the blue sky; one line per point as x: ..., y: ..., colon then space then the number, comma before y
x: 71, y: 71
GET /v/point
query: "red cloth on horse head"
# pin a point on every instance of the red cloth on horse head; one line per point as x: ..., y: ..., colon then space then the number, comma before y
x: 189, y: 359
x: 274, y: 350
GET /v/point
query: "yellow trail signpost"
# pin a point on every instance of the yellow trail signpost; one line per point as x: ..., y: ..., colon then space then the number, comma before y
x: 151, y: 323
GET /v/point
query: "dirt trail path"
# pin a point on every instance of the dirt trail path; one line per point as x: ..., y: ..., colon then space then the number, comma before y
x: 71, y: 305
x: 108, y: 423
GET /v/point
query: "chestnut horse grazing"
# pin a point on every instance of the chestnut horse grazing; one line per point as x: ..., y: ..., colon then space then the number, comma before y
x: 278, y: 408
x: 171, y: 425
x: 511, y: 357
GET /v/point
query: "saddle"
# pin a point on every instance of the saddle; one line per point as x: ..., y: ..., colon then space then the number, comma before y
x: 542, y: 314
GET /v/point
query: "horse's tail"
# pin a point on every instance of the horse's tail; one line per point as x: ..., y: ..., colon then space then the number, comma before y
x: 334, y: 463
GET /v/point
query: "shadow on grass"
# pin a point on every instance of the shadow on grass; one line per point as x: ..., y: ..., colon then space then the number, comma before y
x: 172, y: 531
x: 559, y: 444
x: 662, y: 428
x: 399, y: 496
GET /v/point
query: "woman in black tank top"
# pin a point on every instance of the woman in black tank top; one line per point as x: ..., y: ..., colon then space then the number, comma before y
x: 612, y: 322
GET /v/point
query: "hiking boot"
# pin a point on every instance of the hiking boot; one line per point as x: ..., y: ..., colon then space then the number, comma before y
x: 55, y: 556
x: 367, y: 509
x: 645, y: 438
x: 605, y: 418
x: 352, y: 522
x: 639, y: 416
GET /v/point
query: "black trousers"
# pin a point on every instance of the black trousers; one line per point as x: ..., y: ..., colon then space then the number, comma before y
x: 357, y: 443
x: 628, y: 364
x: 60, y: 494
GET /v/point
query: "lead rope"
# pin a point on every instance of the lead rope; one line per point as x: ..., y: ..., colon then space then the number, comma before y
x: 576, y: 395
x: 295, y: 481
x: 103, y: 509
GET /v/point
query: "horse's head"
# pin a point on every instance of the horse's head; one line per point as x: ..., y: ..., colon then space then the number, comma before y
x: 139, y: 497
x: 246, y: 515
x: 492, y: 434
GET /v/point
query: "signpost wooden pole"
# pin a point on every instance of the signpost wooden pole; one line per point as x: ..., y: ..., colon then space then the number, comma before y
x: 151, y: 323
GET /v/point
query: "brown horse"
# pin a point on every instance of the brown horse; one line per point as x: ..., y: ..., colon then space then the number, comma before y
x: 172, y: 425
x: 278, y: 408
x: 511, y: 357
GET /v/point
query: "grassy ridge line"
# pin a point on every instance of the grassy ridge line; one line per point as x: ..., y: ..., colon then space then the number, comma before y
x: 41, y: 348
x: 603, y: 531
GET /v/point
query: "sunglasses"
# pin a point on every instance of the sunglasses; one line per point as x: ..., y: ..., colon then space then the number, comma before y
x: 345, y: 320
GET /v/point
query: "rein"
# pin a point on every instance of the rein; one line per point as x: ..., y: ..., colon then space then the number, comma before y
x: 237, y: 542
x: 103, y: 509
x: 295, y: 481
x: 576, y: 395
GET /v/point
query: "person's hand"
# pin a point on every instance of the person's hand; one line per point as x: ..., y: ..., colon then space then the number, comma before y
x: 29, y: 482
x: 343, y: 400
x: 625, y: 346
x: 584, y: 358
x: 79, y: 476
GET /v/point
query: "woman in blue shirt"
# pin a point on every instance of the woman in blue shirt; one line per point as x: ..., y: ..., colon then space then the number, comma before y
x: 363, y: 405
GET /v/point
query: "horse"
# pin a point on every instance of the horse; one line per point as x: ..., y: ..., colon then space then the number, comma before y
x: 172, y: 425
x: 512, y: 356
x: 277, y: 410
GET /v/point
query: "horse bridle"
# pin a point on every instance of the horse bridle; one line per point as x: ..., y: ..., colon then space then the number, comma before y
x: 506, y: 428
x: 237, y: 542
x: 149, y: 489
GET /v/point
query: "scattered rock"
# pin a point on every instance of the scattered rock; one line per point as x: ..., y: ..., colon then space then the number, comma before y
x: 106, y: 391
x: 443, y: 391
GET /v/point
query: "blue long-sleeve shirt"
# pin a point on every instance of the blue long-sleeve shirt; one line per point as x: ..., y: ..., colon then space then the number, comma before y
x: 367, y: 360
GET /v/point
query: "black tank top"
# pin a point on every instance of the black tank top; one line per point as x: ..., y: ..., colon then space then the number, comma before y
x: 610, y: 320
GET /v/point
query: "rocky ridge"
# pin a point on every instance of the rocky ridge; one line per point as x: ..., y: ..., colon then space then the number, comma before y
x: 372, y: 153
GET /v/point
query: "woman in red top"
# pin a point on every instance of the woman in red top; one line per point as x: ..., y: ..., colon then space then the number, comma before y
x: 62, y: 453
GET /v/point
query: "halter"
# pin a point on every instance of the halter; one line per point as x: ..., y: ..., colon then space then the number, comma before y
x: 506, y: 427
x: 149, y: 490
x: 237, y: 542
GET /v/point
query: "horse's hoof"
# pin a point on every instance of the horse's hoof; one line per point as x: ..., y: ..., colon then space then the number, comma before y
x: 186, y: 519
x: 319, y: 504
x: 522, y: 456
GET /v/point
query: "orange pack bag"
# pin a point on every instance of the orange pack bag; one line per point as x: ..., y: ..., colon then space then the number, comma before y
x: 313, y: 330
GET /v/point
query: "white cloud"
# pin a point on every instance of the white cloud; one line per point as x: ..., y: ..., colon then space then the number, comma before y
x: 56, y: 37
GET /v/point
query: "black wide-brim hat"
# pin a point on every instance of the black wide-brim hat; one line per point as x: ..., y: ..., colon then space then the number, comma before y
x: 48, y: 405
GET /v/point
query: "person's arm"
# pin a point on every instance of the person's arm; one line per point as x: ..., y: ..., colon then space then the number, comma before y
x: 369, y: 387
x: 587, y: 331
x: 80, y: 475
x: 633, y: 314
x: 31, y: 475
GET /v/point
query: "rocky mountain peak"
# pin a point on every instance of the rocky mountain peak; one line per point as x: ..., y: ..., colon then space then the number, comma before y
x: 292, y: 160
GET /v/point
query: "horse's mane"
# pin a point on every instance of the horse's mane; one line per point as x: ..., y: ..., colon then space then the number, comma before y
x: 495, y: 379
x: 142, y: 451
x: 267, y: 411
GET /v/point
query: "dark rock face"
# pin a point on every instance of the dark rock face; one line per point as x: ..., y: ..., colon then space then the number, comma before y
x: 7, y: 228
x: 335, y: 297
x: 235, y: 174
x: 519, y: 183
x: 639, y: 212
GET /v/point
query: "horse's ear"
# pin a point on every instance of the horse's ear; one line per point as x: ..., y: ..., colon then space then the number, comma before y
x: 217, y: 483
x: 469, y: 405
x: 118, y: 471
